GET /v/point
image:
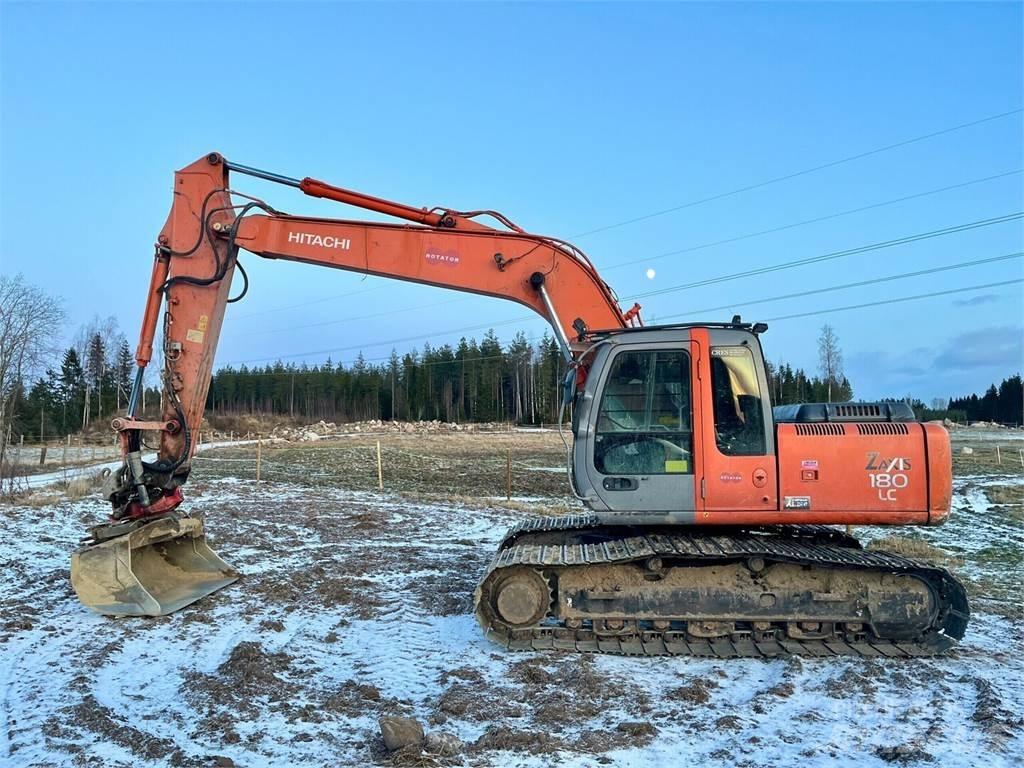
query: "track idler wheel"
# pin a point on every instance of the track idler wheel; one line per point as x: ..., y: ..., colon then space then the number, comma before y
x: 521, y: 598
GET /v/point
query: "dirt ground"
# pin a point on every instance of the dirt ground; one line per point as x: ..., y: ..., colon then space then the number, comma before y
x: 355, y: 603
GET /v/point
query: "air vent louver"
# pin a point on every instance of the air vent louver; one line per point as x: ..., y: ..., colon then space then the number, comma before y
x: 820, y: 429
x: 882, y: 429
x: 858, y: 411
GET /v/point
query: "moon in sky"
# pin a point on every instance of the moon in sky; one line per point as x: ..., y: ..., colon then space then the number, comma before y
x: 650, y: 274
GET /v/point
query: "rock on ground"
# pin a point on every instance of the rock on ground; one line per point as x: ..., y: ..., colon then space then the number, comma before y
x: 399, y: 732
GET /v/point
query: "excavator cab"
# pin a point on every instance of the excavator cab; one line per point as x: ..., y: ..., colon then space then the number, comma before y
x: 652, y: 398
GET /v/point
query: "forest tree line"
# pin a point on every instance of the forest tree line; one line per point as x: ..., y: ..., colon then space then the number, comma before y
x: 471, y: 381
x: 1003, y: 404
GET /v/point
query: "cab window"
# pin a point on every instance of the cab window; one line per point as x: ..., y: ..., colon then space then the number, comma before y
x: 739, y: 420
x: 644, y: 424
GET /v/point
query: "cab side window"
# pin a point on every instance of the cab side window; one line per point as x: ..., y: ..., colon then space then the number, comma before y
x: 739, y: 420
x: 644, y: 423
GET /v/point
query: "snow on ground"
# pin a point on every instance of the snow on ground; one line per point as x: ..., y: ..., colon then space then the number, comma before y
x: 357, y: 604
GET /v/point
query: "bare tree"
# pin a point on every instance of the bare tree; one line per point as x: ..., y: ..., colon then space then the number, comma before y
x: 96, y: 343
x: 30, y: 322
x: 830, y: 357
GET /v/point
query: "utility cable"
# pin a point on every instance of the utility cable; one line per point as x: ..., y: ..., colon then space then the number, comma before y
x: 805, y: 222
x: 334, y: 297
x: 690, y: 249
x: 896, y: 301
x: 834, y: 255
x: 804, y: 172
x: 859, y: 284
x: 353, y: 318
x: 761, y: 270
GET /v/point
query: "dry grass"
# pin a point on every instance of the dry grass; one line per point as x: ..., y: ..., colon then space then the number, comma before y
x: 79, y: 488
x: 917, y: 549
x: 984, y: 458
x: 420, y: 465
x: 38, y: 499
x: 1010, y: 496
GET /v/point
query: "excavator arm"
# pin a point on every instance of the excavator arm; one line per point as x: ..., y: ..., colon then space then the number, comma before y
x: 151, y: 559
x: 196, y: 255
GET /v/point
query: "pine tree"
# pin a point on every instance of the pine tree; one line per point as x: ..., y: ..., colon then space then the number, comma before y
x: 71, y: 390
x: 95, y: 368
x: 123, y: 365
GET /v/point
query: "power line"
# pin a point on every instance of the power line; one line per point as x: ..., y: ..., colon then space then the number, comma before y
x: 734, y: 192
x: 865, y: 305
x: 622, y: 264
x: 796, y: 174
x: 834, y: 255
x: 725, y: 241
x: 859, y: 284
x: 896, y: 301
x: 761, y: 270
x: 739, y: 190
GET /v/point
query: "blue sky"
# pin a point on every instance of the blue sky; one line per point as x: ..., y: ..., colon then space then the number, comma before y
x: 567, y: 118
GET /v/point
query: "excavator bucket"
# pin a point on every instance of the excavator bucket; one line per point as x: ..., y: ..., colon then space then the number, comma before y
x: 152, y: 570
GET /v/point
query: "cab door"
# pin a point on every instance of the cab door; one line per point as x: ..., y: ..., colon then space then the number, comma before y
x: 738, y: 435
x: 639, y: 430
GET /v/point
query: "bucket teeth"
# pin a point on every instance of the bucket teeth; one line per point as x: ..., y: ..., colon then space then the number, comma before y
x: 152, y: 570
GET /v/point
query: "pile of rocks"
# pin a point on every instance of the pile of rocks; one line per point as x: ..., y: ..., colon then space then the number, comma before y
x: 326, y: 429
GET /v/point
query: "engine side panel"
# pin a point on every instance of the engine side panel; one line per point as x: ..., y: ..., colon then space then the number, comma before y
x: 881, y: 469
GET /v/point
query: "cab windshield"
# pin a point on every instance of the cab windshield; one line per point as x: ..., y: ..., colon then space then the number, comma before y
x: 644, y: 424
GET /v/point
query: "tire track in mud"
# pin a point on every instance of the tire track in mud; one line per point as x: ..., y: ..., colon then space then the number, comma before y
x: 407, y: 649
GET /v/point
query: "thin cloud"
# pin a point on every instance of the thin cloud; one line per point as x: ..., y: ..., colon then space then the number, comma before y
x: 996, y: 346
x: 977, y: 301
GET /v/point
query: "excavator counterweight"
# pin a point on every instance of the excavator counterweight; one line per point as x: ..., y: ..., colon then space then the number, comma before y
x: 709, y: 513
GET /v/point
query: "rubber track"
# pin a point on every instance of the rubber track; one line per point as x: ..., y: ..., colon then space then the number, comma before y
x: 811, y: 545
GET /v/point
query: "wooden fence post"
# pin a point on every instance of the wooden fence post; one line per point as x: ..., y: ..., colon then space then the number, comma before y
x: 508, y: 475
x: 42, y: 455
x: 380, y: 469
x: 259, y: 455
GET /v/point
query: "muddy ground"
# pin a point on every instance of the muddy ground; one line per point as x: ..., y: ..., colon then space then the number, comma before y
x: 356, y: 603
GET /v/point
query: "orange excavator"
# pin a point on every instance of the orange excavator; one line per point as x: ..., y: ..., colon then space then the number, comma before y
x: 711, y: 518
